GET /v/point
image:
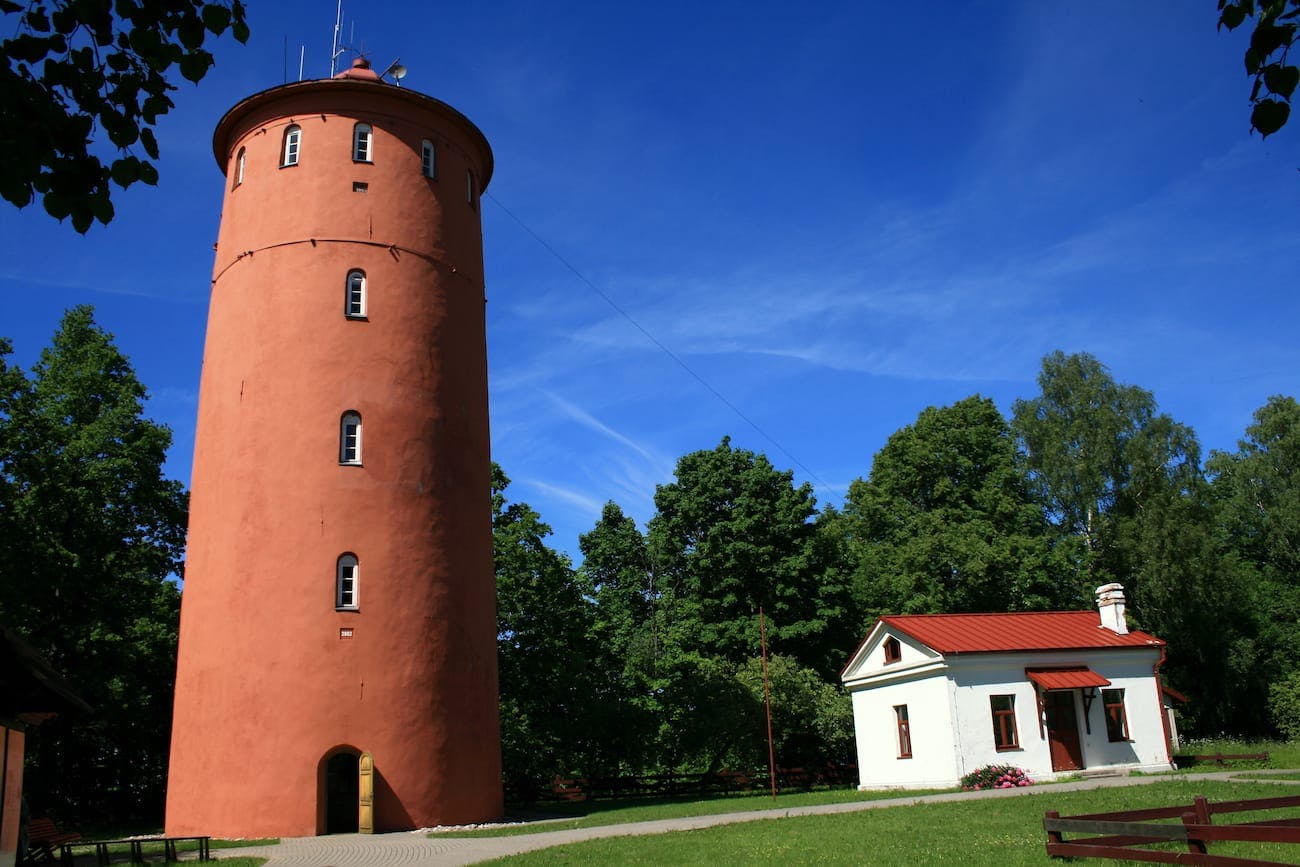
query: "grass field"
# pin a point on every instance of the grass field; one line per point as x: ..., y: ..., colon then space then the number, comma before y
x: 591, y: 814
x: 1002, y: 831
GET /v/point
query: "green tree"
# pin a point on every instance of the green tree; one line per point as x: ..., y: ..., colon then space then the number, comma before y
x: 812, y: 720
x: 543, y: 652
x: 946, y: 522
x: 1096, y: 452
x: 1122, y: 484
x: 616, y: 578
x: 79, y: 70
x: 90, y: 533
x: 1257, y: 504
x: 1266, y: 58
x: 731, y: 535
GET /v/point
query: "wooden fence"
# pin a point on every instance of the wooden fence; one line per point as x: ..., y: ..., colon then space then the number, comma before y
x: 1120, y: 833
x: 1186, y: 761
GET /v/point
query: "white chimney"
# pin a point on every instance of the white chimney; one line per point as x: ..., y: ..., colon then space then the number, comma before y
x: 1110, y: 602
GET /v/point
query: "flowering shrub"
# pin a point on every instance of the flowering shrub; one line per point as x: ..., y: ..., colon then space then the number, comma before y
x: 995, y: 777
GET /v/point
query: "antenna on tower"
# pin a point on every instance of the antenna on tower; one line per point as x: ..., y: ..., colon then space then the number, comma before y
x: 336, y: 49
x: 302, y: 58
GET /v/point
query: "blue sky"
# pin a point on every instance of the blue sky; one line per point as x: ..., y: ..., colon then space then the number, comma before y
x: 835, y: 214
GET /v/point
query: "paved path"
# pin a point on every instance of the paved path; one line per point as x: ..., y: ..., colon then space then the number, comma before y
x: 420, y: 850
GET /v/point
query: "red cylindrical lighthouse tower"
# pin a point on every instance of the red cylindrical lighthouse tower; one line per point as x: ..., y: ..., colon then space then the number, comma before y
x: 338, y: 640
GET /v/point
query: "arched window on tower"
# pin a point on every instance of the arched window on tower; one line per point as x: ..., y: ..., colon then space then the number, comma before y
x: 239, y: 168
x: 427, y: 164
x: 292, y: 144
x: 345, y: 584
x: 354, y: 302
x: 350, y: 438
x: 361, y: 143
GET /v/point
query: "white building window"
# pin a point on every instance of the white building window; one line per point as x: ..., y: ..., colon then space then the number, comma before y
x: 350, y: 439
x: 427, y: 164
x: 1116, y: 719
x: 354, y: 302
x: 1005, y: 735
x: 239, y: 168
x: 292, y: 144
x: 362, y: 151
x: 904, y: 731
x: 345, y: 584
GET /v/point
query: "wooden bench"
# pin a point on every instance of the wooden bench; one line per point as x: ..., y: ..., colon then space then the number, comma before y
x: 43, y: 839
x: 135, y: 849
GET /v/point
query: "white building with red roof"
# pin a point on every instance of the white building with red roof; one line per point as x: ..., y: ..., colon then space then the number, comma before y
x: 936, y: 696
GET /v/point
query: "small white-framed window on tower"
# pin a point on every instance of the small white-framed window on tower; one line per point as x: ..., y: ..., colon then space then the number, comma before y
x: 427, y: 164
x: 239, y: 168
x: 350, y: 439
x: 292, y: 145
x: 345, y: 583
x: 362, y: 144
x: 354, y: 302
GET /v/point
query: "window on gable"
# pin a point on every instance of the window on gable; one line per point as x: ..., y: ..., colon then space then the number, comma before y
x: 292, y: 144
x: 1116, y: 720
x: 362, y: 144
x: 427, y: 164
x: 345, y: 583
x: 350, y: 439
x: 1005, y: 736
x: 904, y: 731
x: 239, y: 168
x: 354, y: 301
x: 893, y: 650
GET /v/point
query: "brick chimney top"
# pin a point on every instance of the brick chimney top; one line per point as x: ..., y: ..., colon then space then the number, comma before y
x: 1110, y: 603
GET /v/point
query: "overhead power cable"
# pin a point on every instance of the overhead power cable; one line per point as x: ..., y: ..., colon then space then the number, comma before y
x: 658, y: 343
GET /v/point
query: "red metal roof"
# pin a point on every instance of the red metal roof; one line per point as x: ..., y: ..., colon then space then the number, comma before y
x: 1076, y: 677
x: 1017, y: 631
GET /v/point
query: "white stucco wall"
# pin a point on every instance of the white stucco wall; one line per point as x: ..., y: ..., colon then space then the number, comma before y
x: 977, y: 677
x: 934, y: 761
x: 949, y: 708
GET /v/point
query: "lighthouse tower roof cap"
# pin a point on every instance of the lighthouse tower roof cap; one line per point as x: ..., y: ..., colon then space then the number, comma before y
x: 360, y: 71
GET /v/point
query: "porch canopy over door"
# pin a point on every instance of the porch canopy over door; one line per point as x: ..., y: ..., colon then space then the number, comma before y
x: 1068, y: 677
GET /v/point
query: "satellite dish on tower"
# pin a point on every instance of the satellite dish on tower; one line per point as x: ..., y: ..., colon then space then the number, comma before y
x: 396, y: 70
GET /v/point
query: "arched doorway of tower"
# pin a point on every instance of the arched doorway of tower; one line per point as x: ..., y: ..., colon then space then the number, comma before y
x: 346, y: 792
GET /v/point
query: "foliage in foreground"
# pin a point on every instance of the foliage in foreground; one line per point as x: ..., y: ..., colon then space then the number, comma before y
x: 1274, y: 80
x: 1002, y: 830
x: 81, y: 79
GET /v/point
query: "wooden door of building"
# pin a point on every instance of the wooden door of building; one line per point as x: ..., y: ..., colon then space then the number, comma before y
x: 1063, y: 731
x: 366, y: 794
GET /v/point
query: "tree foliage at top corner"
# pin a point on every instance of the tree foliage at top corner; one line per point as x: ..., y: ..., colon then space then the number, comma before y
x: 1266, y: 57
x: 78, y: 76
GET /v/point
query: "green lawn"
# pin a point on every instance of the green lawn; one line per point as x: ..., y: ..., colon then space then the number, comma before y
x: 1001, y: 831
x: 589, y: 814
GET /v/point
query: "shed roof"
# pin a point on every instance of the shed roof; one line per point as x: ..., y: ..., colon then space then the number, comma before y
x: 1014, y: 632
